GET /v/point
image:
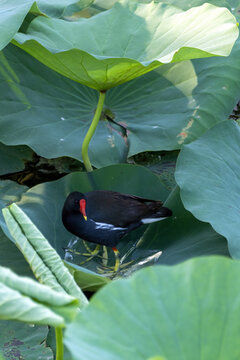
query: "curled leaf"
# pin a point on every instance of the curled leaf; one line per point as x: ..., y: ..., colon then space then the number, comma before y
x: 46, y: 264
x: 26, y: 300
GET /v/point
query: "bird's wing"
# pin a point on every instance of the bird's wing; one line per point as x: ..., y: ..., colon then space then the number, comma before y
x: 119, y: 209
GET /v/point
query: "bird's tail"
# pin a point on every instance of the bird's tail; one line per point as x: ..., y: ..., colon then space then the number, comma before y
x: 161, y: 214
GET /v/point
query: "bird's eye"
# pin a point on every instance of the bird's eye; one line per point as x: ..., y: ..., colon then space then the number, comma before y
x: 76, y: 202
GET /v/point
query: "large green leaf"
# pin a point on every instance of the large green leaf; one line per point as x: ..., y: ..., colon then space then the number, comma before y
x: 43, y: 259
x: 105, y: 57
x: 208, y: 175
x: 24, y: 341
x: 171, y: 118
x: 172, y: 105
x: 175, y: 312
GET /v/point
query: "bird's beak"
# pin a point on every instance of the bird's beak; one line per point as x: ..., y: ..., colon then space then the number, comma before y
x: 82, y: 204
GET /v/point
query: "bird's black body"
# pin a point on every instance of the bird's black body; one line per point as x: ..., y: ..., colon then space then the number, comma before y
x: 109, y: 215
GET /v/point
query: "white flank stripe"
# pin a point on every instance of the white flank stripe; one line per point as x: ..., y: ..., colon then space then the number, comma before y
x: 104, y: 226
x: 151, y: 220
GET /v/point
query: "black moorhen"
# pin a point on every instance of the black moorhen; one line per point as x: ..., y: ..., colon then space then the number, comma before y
x: 104, y: 217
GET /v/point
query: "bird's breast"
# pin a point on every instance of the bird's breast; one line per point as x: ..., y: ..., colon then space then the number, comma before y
x: 103, y: 233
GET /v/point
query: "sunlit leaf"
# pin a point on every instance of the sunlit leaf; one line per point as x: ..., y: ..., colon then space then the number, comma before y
x: 105, y: 57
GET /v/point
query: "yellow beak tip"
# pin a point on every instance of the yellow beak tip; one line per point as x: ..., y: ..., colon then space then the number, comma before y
x: 85, y: 218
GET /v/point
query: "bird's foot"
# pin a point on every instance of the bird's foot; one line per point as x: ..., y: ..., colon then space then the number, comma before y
x: 105, y: 270
x: 90, y: 254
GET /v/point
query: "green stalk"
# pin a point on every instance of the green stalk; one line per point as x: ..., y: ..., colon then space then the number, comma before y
x: 59, y: 343
x: 91, y: 131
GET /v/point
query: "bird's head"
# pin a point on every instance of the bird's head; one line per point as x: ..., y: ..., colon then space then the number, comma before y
x: 76, y: 202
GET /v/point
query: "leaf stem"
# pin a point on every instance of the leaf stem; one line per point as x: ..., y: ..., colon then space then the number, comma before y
x: 91, y: 131
x: 59, y: 343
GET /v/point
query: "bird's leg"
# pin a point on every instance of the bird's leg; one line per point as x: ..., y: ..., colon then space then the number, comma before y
x: 73, y: 242
x: 102, y: 269
x: 117, y: 260
x: 118, y: 263
x: 109, y: 269
x: 90, y: 251
x: 105, y: 256
x: 90, y: 254
x: 90, y: 257
x: 112, y: 270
